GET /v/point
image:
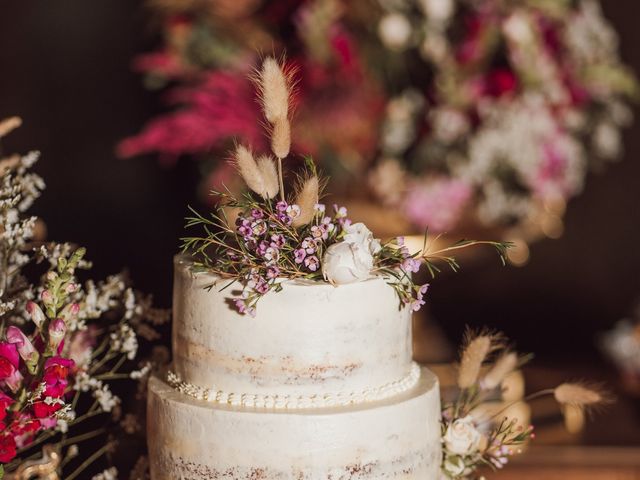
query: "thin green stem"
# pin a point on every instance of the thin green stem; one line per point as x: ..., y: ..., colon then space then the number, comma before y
x: 95, y: 456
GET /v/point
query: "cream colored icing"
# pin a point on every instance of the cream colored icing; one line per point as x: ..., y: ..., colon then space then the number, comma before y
x: 290, y: 402
x: 396, y: 438
x: 306, y: 341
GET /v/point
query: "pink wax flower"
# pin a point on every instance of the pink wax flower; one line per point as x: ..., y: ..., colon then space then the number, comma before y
x: 436, y: 203
x: 24, y: 346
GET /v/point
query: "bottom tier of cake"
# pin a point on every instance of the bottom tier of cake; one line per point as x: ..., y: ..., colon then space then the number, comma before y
x: 398, y: 438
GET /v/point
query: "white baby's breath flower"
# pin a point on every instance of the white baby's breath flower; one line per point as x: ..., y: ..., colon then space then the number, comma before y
x: 109, y: 474
x: 138, y: 374
x: 125, y: 341
x: 106, y: 398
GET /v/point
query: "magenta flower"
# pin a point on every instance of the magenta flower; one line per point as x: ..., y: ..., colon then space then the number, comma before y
x: 282, y: 206
x: 5, y: 402
x: 56, y: 371
x: 9, y: 364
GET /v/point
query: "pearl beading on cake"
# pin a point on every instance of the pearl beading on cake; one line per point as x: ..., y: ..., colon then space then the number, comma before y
x: 295, y: 402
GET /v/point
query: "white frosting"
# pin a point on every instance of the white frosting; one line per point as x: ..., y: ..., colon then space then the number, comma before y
x: 397, y: 438
x: 306, y: 341
x: 290, y: 402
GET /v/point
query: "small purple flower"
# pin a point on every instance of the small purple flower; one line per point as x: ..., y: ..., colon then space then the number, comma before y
x: 423, y: 290
x: 309, y: 245
x: 244, y: 309
x: 284, y: 218
x: 262, y: 248
x: 410, y: 265
x: 344, y: 222
x: 244, y: 227
x: 400, y: 241
x: 312, y: 263
x: 341, y: 212
x: 281, y: 206
x: 257, y: 214
x: 273, y: 272
x: 320, y: 231
x: 278, y: 240
x: 417, y: 305
x: 261, y: 286
x: 299, y: 255
x: 320, y: 208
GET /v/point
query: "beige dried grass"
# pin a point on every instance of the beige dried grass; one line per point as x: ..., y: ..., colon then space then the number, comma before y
x: 307, y: 199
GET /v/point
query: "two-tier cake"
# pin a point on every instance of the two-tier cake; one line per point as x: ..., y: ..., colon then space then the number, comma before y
x: 320, y: 384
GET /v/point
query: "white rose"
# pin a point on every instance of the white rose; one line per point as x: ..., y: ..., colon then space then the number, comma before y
x: 454, y: 466
x: 395, y: 31
x: 359, y: 234
x: 346, y: 262
x: 461, y: 437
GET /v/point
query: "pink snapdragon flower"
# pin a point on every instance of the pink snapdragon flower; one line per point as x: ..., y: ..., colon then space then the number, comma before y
x: 36, y: 313
x: 25, y: 348
x: 57, y: 331
x: 56, y: 371
x: 9, y: 366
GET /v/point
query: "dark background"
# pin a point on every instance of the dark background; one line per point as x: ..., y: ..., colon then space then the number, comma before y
x: 66, y: 71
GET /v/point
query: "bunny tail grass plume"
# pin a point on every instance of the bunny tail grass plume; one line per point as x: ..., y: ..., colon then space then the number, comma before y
x: 8, y: 125
x: 267, y: 168
x: 580, y: 395
x: 249, y: 170
x: 307, y: 198
x: 506, y: 364
x: 281, y: 137
x: 474, y: 353
x: 274, y: 90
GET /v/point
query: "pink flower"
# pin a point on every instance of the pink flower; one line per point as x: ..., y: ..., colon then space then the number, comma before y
x: 24, y: 346
x: 36, y: 313
x: 5, y: 402
x: 437, y: 203
x: 57, y: 331
x: 9, y: 364
x: 56, y: 370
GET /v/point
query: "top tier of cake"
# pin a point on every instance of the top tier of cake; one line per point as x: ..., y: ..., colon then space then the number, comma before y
x: 309, y: 342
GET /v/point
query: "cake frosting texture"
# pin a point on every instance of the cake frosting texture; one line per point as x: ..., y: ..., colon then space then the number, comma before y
x: 306, y: 340
x: 392, y: 439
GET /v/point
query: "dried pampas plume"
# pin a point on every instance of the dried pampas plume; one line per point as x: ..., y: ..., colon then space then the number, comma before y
x: 274, y: 89
x: 281, y: 138
x: 473, y: 355
x: 267, y: 168
x: 307, y: 198
x: 8, y: 125
x: 506, y: 364
x: 579, y: 395
x: 259, y: 177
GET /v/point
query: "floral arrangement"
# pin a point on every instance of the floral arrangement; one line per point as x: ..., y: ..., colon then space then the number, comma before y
x: 457, y: 111
x: 273, y: 238
x: 474, y: 437
x: 63, y: 344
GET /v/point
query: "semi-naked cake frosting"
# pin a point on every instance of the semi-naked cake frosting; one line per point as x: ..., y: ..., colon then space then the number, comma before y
x: 320, y: 384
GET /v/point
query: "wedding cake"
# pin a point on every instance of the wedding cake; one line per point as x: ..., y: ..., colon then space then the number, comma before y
x: 292, y: 351
x: 320, y: 384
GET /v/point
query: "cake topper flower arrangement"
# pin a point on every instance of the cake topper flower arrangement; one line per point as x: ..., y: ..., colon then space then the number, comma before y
x: 63, y: 343
x: 473, y: 436
x: 276, y: 237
